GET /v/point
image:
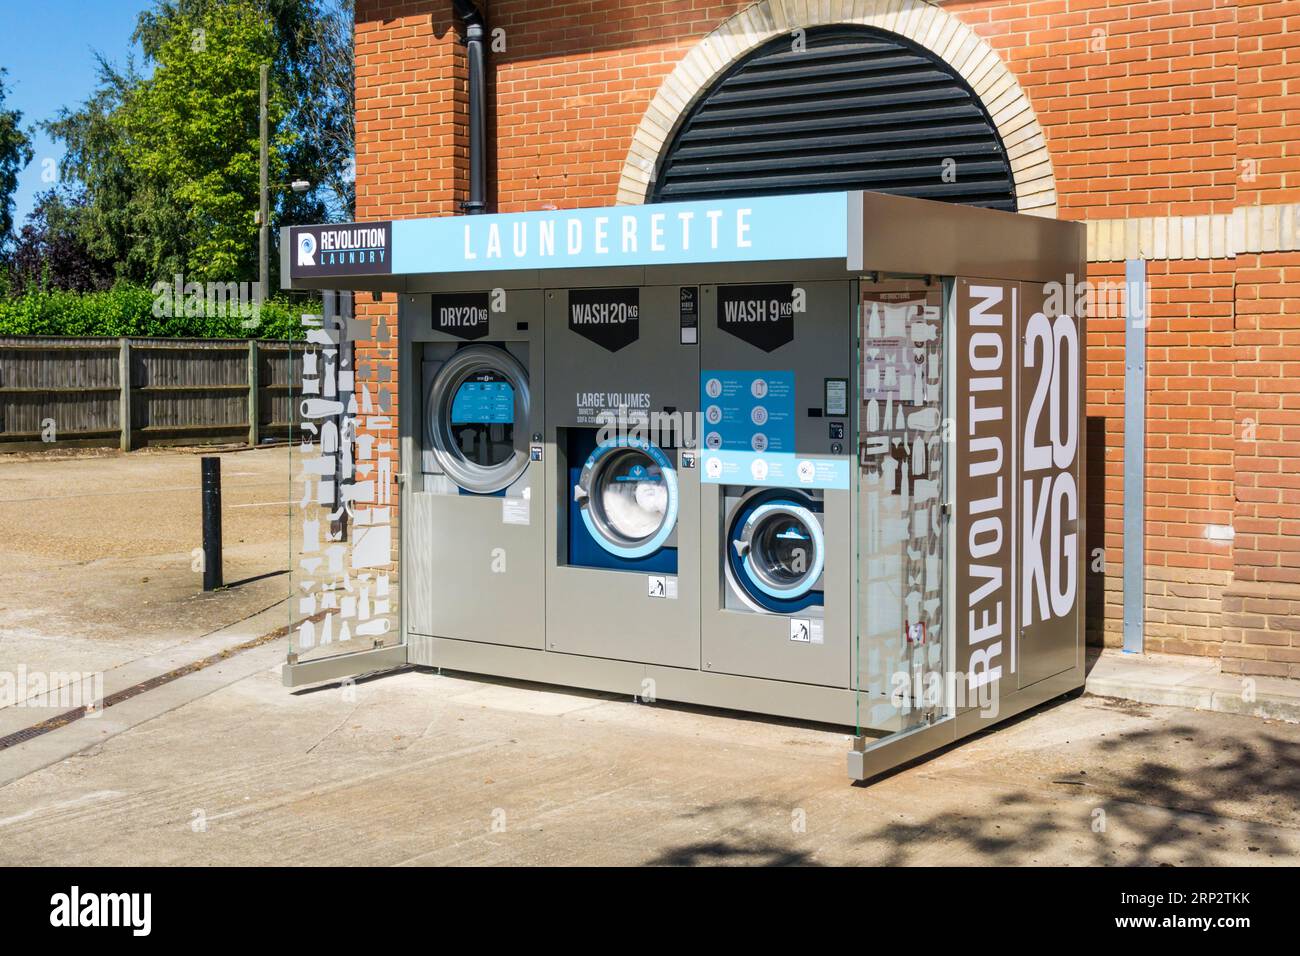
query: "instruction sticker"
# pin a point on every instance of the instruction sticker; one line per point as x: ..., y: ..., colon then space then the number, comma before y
x: 836, y: 398
x: 688, y: 312
x: 515, y: 511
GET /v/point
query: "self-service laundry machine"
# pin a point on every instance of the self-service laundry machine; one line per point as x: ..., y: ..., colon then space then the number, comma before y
x: 477, y: 501
x: 775, y: 551
x: 776, y: 363
x: 804, y: 532
x: 623, y: 565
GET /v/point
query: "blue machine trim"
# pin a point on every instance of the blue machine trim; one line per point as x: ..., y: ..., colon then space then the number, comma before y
x: 778, y: 601
x: 587, y: 546
x: 795, y: 591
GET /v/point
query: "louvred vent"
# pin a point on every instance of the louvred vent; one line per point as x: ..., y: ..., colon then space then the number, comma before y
x: 855, y: 109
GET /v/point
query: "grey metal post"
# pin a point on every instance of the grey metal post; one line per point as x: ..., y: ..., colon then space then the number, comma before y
x: 124, y: 391
x: 211, y: 490
x: 263, y: 205
x: 252, y: 393
x: 1135, y: 447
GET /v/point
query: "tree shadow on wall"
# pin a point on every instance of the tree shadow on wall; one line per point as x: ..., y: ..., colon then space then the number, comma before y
x: 1154, y: 811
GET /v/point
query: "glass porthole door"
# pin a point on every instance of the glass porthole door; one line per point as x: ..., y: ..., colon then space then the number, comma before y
x: 627, y: 494
x: 476, y: 415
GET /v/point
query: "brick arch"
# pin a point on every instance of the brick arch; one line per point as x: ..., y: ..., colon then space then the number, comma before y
x: 921, y: 22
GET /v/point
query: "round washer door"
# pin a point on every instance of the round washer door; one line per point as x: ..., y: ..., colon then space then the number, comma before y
x: 627, y: 493
x: 776, y: 549
x: 477, y: 418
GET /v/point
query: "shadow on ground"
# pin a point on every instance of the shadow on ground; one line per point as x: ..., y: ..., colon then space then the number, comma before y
x: 1153, y: 796
x: 1184, y: 809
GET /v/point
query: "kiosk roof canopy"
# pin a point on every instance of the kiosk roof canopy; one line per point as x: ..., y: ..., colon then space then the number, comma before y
x: 830, y: 232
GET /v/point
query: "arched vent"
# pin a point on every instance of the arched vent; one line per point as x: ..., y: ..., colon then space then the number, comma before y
x: 857, y: 108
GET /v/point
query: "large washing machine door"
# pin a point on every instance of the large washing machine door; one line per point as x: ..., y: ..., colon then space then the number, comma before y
x: 776, y: 550
x: 477, y: 418
x: 627, y: 493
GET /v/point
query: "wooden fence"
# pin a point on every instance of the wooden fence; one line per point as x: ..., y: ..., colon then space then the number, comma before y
x: 80, y: 391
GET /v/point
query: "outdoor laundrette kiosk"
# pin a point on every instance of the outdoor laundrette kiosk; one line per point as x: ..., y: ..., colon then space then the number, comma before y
x: 817, y: 456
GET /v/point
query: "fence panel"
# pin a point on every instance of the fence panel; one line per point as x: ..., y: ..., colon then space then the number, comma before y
x: 68, y: 391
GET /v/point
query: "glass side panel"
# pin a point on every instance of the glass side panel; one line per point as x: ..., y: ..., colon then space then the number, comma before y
x: 899, y: 652
x: 343, y: 526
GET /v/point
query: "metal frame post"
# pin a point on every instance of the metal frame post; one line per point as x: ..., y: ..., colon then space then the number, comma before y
x: 1135, y: 445
x: 253, y: 410
x: 124, y: 386
x: 211, y: 524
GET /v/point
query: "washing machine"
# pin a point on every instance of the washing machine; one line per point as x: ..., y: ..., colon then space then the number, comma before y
x: 776, y: 375
x: 623, y: 569
x: 776, y: 553
x: 626, y: 501
x: 475, y: 503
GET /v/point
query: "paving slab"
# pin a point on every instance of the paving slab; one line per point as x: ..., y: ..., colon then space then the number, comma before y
x: 1194, y: 682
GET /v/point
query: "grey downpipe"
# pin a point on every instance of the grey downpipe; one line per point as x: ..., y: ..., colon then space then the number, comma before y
x: 476, y: 53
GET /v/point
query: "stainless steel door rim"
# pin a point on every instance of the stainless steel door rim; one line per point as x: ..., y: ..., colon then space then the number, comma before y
x: 492, y: 364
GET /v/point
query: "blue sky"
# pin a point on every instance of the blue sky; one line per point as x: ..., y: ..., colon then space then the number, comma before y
x: 49, y: 50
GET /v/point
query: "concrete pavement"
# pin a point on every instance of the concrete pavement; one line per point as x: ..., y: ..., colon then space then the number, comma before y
x: 418, y: 768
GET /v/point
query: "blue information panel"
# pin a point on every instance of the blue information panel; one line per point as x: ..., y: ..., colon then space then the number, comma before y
x: 749, y: 420
x: 483, y: 402
x: 780, y: 470
x: 748, y: 411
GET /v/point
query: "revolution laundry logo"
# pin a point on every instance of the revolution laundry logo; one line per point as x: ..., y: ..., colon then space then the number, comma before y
x: 345, y: 249
x: 1017, y: 499
x: 462, y: 314
x: 609, y: 317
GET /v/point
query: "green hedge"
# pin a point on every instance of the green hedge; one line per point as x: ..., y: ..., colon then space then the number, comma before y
x: 128, y: 309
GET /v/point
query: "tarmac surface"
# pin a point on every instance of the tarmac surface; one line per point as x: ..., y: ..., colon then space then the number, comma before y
x: 99, y: 563
x: 224, y: 765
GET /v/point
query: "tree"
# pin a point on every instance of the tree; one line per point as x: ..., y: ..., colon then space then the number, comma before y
x: 15, y: 154
x: 312, y: 67
x: 169, y: 161
x: 108, y: 220
x: 50, y: 253
x: 191, y: 130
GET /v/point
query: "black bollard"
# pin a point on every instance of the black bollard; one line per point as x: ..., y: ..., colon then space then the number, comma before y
x: 211, y: 524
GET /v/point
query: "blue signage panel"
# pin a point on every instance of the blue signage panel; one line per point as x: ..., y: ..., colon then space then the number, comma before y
x: 748, y: 411
x: 780, y: 470
x: 749, y: 420
x: 757, y: 229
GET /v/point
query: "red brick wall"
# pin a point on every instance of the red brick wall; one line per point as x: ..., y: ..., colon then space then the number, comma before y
x: 1136, y: 98
x: 412, y: 155
x: 1149, y: 107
